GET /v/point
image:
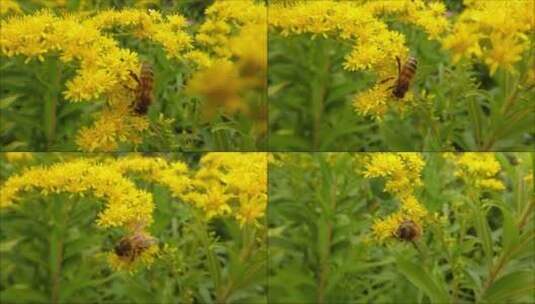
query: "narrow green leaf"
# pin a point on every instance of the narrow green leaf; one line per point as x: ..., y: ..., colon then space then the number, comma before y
x: 421, y: 279
x: 510, y: 233
x: 483, y: 231
x: 8, y: 100
x: 511, y: 287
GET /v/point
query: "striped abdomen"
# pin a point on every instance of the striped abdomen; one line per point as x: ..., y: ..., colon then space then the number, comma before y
x: 404, y: 78
x: 144, y: 90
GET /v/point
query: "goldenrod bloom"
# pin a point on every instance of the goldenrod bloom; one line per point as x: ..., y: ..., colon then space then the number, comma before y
x: 402, y: 173
x: 18, y: 156
x: 103, y: 67
x: 501, y: 26
x: 374, y: 45
x: 229, y: 68
x: 7, y: 6
x: 401, y: 170
x: 231, y: 183
x: 479, y: 169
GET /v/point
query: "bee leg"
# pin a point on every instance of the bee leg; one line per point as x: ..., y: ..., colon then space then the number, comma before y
x: 135, y: 77
x: 385, y: 80
x: 399, y: 65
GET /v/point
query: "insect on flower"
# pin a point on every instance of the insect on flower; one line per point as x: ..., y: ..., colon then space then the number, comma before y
x: 405, y: 75
x: 144, y: 88
x: 408, y: 231
x: 132, y: 246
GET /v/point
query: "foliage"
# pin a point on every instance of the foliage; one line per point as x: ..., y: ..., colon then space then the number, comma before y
x: 68, y: 84
x: 477, y: 238
x: 333, y: 63
x: 55, y: 206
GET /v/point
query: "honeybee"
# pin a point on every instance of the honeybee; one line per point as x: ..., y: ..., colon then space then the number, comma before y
x: 408, y: 231
x: 405, y: 75
x: 132, y: 246
x: 143, y: 91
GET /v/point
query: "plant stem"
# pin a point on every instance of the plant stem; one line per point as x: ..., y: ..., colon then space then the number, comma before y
x: 318, y: 94
x: 324, y: 259
x: 528, y: 212
x: 58, y: 231
x: 213, y: 265
x: 51, y: 100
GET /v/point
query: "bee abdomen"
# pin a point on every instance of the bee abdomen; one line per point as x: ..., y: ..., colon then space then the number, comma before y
x: 144, y: 98
x: 146, y: 75
x: 409, y: 68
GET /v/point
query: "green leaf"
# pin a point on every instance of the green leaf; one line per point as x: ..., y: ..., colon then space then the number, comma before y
x: 510, y: 231
x: 8, y: 245
x: 483, y: 231
x: 8, y: 100
x: 511, y: 287
x: 421, y: 279
x: 23, y: 294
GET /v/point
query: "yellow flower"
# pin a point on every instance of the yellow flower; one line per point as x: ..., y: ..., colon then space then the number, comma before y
x: 361, y: 24
x: 230, y: 183
x: 18, y: 156
x: 485, y: 23
x: 201, y: 59
x: 505, y: 52
x: 464, y: 43
x: 402, y: 173
x: 220, y: 85
x: 7, y: 6
x: 372, y: 102
x: 103, y: 67
x: 250, y: 209
x: 125, y: 204
x: 146, y: 258
x: 401, y: 170
x: 225, y: 19
x: 385, y: 228
x: 115, y: 125
x: 479, y: 170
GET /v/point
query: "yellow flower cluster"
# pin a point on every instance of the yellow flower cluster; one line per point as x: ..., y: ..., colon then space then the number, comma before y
x: 231, y: 183
x: 114, y: 125
x: 17, y: 156
x: 145, y: 258
x: 225, y: 184
x: 374, y: 46
x: 125, y: 204
x: 402, y: 173
x: 225, y: 18
x: 104, y: 67
x: 401, y: 170
x: 234, y: 60
x: 479, y: 170
x: 496, y: 32
x: 7, y: 6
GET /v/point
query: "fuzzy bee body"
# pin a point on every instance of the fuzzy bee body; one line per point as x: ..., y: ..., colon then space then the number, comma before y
x: 130, y: 247
x: 144, y: 88
x: 408, y: 231
x: 405, y: 75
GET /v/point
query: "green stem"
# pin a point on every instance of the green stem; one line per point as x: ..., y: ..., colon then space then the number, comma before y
x: 57, y: 247
x: 213, y: 265
x: 319, y: 91
x: 325, y: 259
x: 51, y: 101
x: 477, y: 122
x: 528, y: 212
